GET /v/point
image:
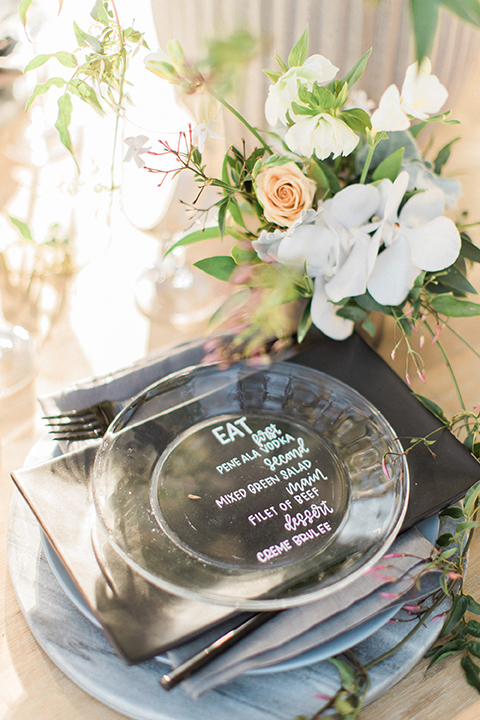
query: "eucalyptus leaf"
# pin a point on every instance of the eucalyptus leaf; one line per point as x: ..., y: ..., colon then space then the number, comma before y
x: 86, y: 93
x: 219, y: 266
x: 194, y: 237
x: 63, y: 122
x: 37, y: 62
x: 443, y: 155
x: 447, y: 304
x: 86, y: 40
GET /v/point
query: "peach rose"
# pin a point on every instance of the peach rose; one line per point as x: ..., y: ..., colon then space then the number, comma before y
x: 284, y: 192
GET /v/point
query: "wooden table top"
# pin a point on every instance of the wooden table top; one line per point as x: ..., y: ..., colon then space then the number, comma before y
x: 93, y: 326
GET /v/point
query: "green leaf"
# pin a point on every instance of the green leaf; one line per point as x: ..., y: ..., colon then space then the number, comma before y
x: 367, y: 302
x: 474, y: 648
x: 86, y: 40
x: 445, y: 540
x: 86, y: 93
x: 433, y: 407
x: 470, y: 499
x: 333, y: 182
x: 469, y: 250
x: 369, y: 327
x: 424, y: 15
x: 63, y: 122
x: 37, y: 62
x: 357, y: 71
x: 242, y: 255
x: 22, y: 10
x: 450, y: 648
x: 281, y: 64
x: 443, y: 156
x: 235, y: 212
x: 347, y: 676
x: 453, y: 279
x: 472, y: 605
x: 473, y: 628
x: 459, y: 608
x: 468, y: 10
x: 305, y: 323
x: 273, y: 76
x: 194, y: 237
x: 467, y: 525
x: 389, y: 167
x: 447, y: 304
x: 66, y: 59
x: 42, y: 88
x: 471, y: 671
x: 351, y: 312
x: 323, y: 97
x: 22, y: 227
x: 356, y: 119
x: 99, y: 13
x: 220, y: 266
x: 298, y: 54
x: 453, y: 512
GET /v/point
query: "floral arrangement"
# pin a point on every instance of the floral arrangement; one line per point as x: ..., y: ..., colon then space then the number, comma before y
x: 334, y: 216
x: 339, y: 209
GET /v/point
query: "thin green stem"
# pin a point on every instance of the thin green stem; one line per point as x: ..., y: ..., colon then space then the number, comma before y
x: 450, y: 369
x: 234, y: 112
x: 120, y: 95
x: 462, y: 339
x: 409, y: 635
x: 366, y: 167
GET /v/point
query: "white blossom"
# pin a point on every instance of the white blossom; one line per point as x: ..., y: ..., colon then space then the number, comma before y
x: 203, y: 131
x: 389, y: 114
x: 135, y: 149
x: 323, y: 135
x: 417, y: 238
x: 422, y: 93
x: 285, y: 90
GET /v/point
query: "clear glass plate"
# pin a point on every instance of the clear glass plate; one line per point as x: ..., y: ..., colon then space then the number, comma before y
x: 253, y: 488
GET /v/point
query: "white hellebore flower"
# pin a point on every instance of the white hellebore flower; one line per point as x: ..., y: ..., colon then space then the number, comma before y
x: 417, y: 238
x: 203, y: 131
x: 280, y: 96
x: 135, y: 149
x: 422, y: 95
x: 335, y: 249
x: 323, y: 135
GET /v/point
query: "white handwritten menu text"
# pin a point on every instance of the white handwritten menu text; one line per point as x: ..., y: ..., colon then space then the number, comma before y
x: 251, y: 490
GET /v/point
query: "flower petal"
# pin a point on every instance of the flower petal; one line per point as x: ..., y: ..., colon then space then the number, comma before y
x: 436, y: 245
x: 394, y: 274
x: 422, y: 207
x: 389, y: 114
x: 354, y: 205
x: 324, y: 316
x: 422, y: 93
x: 307, y: 242
x: 351, y: 278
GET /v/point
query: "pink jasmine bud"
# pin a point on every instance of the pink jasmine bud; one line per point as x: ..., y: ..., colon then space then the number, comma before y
x: 438, y: 617
x: 411, y: 608
x: 392, y: 354
x: 407, y: 378
x: 421, y: 375
x: 437, y: 333
x: 320, y: 696
x: 414, y: 328
x: 421, y: 342
x: 389, y: 595
x: 385, y: 469
x: 393, y: 555
x: 409, y: 311
x: 453, y: 575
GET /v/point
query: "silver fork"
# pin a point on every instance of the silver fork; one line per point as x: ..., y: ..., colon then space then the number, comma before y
x: 87, y: 424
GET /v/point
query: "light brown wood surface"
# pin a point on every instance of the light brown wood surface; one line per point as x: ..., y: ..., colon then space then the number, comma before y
x: 96, y: 328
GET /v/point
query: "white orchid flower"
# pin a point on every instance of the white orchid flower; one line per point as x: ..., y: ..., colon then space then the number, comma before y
x: 422, y: 93
x: 203, y: 131
x: 285, y: 90
x: 417, y: 238
x: 323, y: 135
x: 135, y: 149
x: 336, y: 251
